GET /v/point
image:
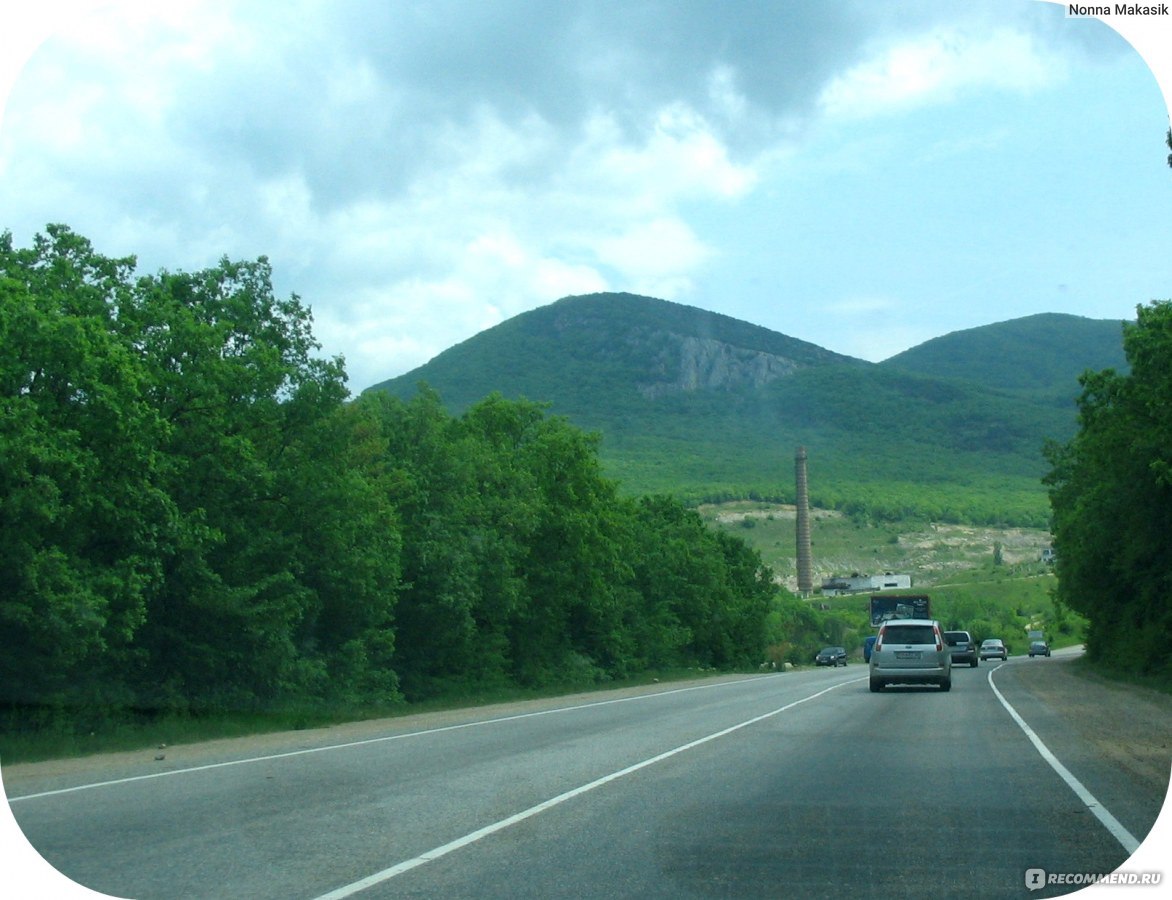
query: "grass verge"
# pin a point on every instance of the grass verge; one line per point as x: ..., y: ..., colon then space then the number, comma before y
x: 61, y: 739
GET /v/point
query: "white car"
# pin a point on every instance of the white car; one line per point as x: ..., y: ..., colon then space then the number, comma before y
x: 993, y: 649
x: 910, y: 651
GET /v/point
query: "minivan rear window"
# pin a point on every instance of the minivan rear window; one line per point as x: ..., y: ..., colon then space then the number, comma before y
x: 909, y: 634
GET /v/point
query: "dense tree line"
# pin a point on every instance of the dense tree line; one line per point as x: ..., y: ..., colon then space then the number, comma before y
x: 194, y: 517
x: 1111, y: 495
x: 533, y: 566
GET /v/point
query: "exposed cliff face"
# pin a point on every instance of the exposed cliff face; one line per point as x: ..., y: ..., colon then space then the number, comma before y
x: 687, y: 363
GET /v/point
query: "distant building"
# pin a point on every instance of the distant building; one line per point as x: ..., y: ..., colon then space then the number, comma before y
x: 855, y: 584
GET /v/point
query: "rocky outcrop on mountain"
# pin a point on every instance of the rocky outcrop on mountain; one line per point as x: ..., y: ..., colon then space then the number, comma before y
x: 688, y: 363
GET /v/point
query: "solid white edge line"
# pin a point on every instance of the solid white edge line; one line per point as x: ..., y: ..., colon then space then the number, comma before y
x: 473, y: 837
x: 377, y: 740
x: 1113, y: 825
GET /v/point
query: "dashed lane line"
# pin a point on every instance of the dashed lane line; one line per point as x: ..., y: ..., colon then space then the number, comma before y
x: 474, y: 836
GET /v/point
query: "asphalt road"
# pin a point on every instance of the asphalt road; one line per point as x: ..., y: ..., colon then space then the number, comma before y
x: 801, y: 784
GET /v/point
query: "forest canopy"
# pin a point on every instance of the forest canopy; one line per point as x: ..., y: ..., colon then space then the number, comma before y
x: 1111, y: 495
x: 195, y: 517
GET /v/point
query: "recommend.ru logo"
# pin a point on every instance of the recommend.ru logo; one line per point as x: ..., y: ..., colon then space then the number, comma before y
x: 1036, y: 879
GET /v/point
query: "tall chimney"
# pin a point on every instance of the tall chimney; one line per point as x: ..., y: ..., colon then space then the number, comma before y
x: 805, y: 573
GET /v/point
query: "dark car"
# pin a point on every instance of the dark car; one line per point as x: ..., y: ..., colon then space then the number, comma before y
x: 1039, y: 648
x: 962, y: 647
x: 831, y: 656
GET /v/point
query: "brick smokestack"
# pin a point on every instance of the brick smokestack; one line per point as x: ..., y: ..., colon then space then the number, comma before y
x: 805, y: 567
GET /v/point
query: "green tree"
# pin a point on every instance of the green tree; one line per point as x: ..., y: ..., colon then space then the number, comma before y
x: 345, y: 547
x: 749, y: 590
x: 504, y: 513
x: 84, y: 515
x: 793, y: 630
x: 1111, y: 496
x: 233, y: 373
x: 429, y: 483
x: 706, y: 594
x: 189, y: 516
x: 522, y: 564
x: 668, y: 581
x: 573, y: 564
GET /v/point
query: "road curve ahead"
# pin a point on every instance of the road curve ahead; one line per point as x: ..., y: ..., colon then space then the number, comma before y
x: 796, y: 784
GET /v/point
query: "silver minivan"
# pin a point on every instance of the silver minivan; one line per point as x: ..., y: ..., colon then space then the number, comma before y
x: 910, y: 651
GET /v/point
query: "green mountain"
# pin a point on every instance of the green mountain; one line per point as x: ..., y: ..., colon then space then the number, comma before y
x: 1042, y: 354
x: 600, y: 356
x: 707, y: 407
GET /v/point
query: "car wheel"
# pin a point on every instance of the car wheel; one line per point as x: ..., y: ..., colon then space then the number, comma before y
x: 946, y: 684
x: 876, y: 685
x: 973, y: 664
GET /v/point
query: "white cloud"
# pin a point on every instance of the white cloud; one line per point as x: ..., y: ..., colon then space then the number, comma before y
x: 469, y: 245
x: 935, y: 67
x: 726, y: 98
x: 416, y: 176
x: 401, y: 317
x: 682, y: 158
x: 655, y: 256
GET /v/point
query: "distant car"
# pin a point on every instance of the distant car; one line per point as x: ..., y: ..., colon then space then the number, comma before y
x: 1039, y: 648
x: 910, y: 651
x: 993, y: 649
x: 962, y: 646
x: 831, y: 656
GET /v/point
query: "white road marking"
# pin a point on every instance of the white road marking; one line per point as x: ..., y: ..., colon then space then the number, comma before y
x: 1121, y: 834
x: 377, y: 740
x: 473, y: 837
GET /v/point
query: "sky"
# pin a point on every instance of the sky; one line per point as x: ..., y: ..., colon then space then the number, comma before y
x: 861, y: 175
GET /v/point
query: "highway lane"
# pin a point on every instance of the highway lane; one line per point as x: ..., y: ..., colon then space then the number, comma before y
x: 796, y: 784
